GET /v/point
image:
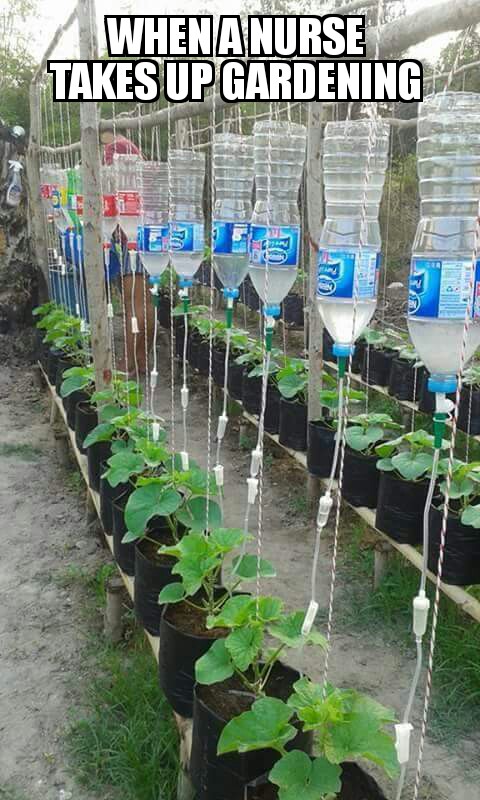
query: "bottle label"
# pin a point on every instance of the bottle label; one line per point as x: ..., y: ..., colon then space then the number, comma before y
x: 153, y: 239
x: 109, y: 205
x: 129, y: 204
x: 439, y: 288
x: 345, y: 274
x: 280, y: 246
x: 55, y: 197
x: 230, y: 237
x: 187, y: 237
x: 45, y: 191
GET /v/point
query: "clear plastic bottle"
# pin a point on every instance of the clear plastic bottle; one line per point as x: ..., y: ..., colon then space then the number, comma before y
x: 110, y: 206
x: 187, y: 233
x: 153, y: 235
x: 233, y: 162
x: 128, y: 197
x: 355, y: 159
x: 75, y: 196
x: 47, y: 172
x: 448, y: 159
x: 279, y: 151
x: 61, y: 214
x: 14, y: 191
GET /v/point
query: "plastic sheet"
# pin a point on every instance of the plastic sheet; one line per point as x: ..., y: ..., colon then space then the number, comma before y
x: 360, y: 479
x: 400, y: 508
x: 461, y: 565
x: 293, y: 424
x: 320, y: 448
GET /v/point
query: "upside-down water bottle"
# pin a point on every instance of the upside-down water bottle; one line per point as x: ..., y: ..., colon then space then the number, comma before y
x: 187, y: 232
x: 441, y: 279
x: 234, y: 171
x: 279, y: 151
x: 355, y: 160
x: 153, y: 234
x: 109, y: 204
x: 128, y: 197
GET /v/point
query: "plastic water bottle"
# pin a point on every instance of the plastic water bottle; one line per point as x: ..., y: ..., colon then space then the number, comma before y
x: 14, y: 191
x: 187, y: 232
x: 448, y: 158
x: 128, y: 197
x: 75, y: 196
x: 233, y: 162
x: 355, y: 160
x: 153, y: 234
x: 279, y: 151
x: 47, y: 172
x: 61, y: 214
x: 109, y: 201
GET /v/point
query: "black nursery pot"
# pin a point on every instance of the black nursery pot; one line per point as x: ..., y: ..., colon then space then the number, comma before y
x: 360, y: 479
x: 461, y: 559
x: 70, y: 405
x: 62, y: 365
x: 405, y: 381
x: 179, y: 339
x: 272, y: 409
x: 53, y: 358
x: 107, y: 496
x: 470, y: 396
x: 376, y: 366
x: 96, y: 455
x: 218, y: 364
x: 251, y: 393
x: 219, y: 777
x: 86, y: 419
x: 124, y: 553
x: 203, y: 363
x: 293, y: 424
x: 176, y: 663
x: 356, y: 785
x: 320, y: 448
x: 400, y: 508
x: 292, y: 308
x: 164, y: 311
x: 235, y: 380
x: 327, y: 346
x: 193, y: 348
x: 152, y: 574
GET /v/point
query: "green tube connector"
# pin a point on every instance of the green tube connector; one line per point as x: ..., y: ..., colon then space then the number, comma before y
x: 156, y: 300
x: 439, y: 428
x: 269, y: 339
x: 342, y: 366
x: 186, y: 303
x: 229, y: 317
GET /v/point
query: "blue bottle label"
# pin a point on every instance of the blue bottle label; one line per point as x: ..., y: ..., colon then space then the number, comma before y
x: 344, y: 274
x: 280, y: 245
x: 56, y: 198
x: 187, y: 237
x: 230, y: 237
x: 439, y: 288
x: 153, y: 239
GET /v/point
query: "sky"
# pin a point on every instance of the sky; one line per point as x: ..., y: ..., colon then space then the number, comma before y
x: 53, y: 14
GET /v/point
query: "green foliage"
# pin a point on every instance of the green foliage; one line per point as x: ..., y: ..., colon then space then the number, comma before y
x: 410, y: 456
x: 77, y: 379
x: 329, y: 398
x: 292, y: 379
x: 366, y: 430
x: 265, y: 726
x: 297, y: 775
x: 63, y: 331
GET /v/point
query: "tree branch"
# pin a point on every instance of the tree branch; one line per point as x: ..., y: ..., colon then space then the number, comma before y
x: 53, y: 43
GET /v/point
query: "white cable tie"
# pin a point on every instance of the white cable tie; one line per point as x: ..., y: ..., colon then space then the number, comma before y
x: 184, y: 397
x: 155, y: 431
x: 309, y: 617
x: 324, y: 507
x: 222, y: 426
x: 269, y: 322
x: 110, y: 310
x: 403, y: 731
x: 252, y: 484
x: 63, y: 268
x: 421, y: 607
x: 218, y: 472
x: 135, y: 328
x: 256, y: 461
x: 182, y: 293
x: 153, y: 378
x: 442, y: 404
x: 185, y: 461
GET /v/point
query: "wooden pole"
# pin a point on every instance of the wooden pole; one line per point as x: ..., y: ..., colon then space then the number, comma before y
x: 92, y: 213
x: 316, y: 118
x: 33, y: 174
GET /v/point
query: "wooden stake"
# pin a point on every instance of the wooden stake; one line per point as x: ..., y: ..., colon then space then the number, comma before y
x: 92, y: 214
x: 113, y: 617
x: 383, y: 552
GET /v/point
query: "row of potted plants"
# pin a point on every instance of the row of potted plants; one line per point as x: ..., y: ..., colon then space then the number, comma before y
x: 254, y: 718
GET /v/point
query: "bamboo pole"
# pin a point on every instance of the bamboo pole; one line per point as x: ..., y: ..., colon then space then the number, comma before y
x: 92, y: 214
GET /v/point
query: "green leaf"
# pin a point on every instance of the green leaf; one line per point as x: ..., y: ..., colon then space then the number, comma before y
x: 412, y: 466
x: 288, y: 630
x: 291, y: 385
x: 471, y: 516
x: 301, y: 778
x: 215, y: 666
x: 153, y: 452
x: 247, y: 566
x: 305, y: 693
x: 226, y: 539
x: 234, y: 613
x: 129, y: 537
x: 102, y: 433
x: 268, y: 609
x: 147, y: 502
x: 75, y: 383
x: 360, y: 439
x: 264, y: 726
x: 122, y: 466
x: 385, y: 465
x: 194, y: 514
x: 173, y: 593
x: 243, y: 645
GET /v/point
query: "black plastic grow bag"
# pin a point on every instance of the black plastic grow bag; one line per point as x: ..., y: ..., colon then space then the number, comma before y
x: 405, y: 380
x: 356, y: 785
x: 96, y: 455
x: 150, y: 578
x: 469, y: 411
x: 272, y: 410
x: 376, y: 366
x: 293, y: 424
x: 461, y: 558
x: 251, y: 393
x: 52, y: 362
x: 70, y: 405
x: 86, y: 419
x: 320, y: 448
x: 107, y: 495
x: 292, y: 310
x: 124, y: 553
x: 218, y: 365
x: 400, y: 508
x: 235, y: 380
x: 360, y: 479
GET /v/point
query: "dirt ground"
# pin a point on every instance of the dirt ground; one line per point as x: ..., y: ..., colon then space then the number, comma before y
x: 43, y: 533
